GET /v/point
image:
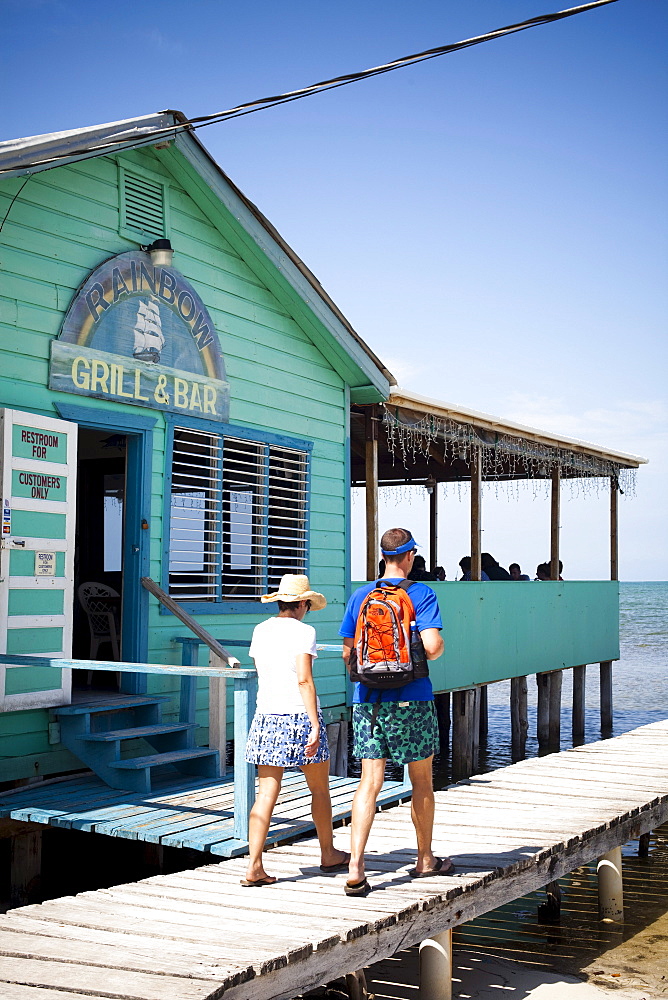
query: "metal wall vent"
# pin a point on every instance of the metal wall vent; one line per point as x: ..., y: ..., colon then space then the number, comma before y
x: 143, y: 208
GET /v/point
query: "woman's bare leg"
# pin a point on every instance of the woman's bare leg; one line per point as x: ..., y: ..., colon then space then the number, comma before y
x: 317, y: 779
x: 269, y: 785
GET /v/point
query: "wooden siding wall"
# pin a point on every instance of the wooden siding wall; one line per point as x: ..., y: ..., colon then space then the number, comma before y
x: 63, y: 223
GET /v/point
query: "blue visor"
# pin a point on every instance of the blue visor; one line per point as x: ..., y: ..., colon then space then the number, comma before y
x: 406, y: 547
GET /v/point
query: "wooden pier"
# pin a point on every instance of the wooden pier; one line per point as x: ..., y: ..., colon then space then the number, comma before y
x: 199, y: 935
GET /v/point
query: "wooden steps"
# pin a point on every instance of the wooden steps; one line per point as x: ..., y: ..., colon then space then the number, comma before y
x: 98, y: 733
x: 200, y: 935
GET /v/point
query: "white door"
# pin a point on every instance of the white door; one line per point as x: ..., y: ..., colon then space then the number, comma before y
x: 38, y: 467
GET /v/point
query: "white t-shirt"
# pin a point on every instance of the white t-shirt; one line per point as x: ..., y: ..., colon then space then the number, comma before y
x: 275, y: 645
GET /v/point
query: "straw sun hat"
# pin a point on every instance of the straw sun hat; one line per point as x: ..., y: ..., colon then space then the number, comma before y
x: 296, y: 588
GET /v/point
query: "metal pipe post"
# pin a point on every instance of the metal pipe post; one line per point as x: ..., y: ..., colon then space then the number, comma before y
x: 436, y: 967
x: 610, y: 886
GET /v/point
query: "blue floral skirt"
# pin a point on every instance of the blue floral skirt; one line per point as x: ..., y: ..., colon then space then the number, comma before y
x: 280, y: 740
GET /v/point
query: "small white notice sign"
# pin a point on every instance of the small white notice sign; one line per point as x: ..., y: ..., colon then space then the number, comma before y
x: 45, y: 563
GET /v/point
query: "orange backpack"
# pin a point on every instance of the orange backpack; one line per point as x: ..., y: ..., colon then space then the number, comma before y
x: 388, y: 651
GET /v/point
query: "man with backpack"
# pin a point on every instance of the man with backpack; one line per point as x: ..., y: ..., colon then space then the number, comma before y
x: 390, y: 629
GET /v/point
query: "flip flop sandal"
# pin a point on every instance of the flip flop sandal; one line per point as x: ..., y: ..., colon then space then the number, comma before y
x: 252, y: 882
x: 340, y: 866
x: 440, y: 868
x: 357, y: 888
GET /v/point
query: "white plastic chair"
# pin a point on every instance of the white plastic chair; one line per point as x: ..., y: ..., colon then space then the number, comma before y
x: 94, y: 599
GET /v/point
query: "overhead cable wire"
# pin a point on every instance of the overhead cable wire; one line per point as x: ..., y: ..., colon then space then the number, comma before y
x: 263, y: 103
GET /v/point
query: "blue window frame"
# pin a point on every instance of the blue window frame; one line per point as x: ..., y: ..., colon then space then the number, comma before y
x: 236, y: 513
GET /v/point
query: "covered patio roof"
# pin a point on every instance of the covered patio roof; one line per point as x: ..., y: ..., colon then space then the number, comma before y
x: 422, y: 439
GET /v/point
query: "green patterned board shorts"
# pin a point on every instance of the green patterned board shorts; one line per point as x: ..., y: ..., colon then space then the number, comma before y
x: 402, y: 732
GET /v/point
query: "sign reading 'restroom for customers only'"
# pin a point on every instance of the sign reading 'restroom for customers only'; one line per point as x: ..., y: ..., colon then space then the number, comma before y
x: 140, y: 334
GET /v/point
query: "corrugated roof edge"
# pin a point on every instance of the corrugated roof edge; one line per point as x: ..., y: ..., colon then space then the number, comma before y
x: 17, y: 156
x: 412, y: 401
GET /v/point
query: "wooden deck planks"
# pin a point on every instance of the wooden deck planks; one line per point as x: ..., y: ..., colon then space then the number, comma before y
x: 200, y: 934
x: 193, y: 813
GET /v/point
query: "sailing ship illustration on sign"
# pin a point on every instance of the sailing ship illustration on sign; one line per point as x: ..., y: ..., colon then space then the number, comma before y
x: 149, y: 338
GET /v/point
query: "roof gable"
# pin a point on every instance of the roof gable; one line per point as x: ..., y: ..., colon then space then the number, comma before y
x: 262, y: 247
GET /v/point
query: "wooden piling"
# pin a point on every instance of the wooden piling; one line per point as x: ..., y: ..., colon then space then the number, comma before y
x: 579, y: 688
x: 474, y: 730
x: 549, y: 912
x: 25, y: 868
x: 443, y: 715
x: 643, y: 845
x: 554, y: 723
x: 463, y: 714
x: 543, y: 714
x: 484, y: 712
x: 519, y: 722
x: 606, y: 697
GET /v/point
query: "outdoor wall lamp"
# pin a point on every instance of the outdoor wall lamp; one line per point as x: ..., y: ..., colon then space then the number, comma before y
x: 161, y: 253
x: 430, y: 485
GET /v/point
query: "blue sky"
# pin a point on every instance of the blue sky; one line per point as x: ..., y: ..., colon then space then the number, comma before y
x: 492, y: 222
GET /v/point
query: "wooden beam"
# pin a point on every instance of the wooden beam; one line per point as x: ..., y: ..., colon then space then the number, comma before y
x: 554, y: 523
x: 371, y: 470
x: 614, y: 529
x: 476, y: 526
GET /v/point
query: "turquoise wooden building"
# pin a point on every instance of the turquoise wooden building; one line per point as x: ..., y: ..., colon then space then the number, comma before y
x: 175, y: 392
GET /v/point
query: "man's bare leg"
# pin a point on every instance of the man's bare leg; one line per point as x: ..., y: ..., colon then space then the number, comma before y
x: 363, y: 811
x: 422, y: 810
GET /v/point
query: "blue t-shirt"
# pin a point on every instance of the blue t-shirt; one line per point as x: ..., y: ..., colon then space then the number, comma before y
x: 427, y: 615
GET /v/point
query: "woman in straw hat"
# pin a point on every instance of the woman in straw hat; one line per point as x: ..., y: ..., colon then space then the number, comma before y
x: 288, y: 729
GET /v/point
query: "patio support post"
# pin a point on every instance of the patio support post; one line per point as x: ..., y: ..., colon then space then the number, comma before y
x: 554, y: 523
x: 371, y: 477
x: 614, y: 529
x: 476, y: 531
x: 433, y: 527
